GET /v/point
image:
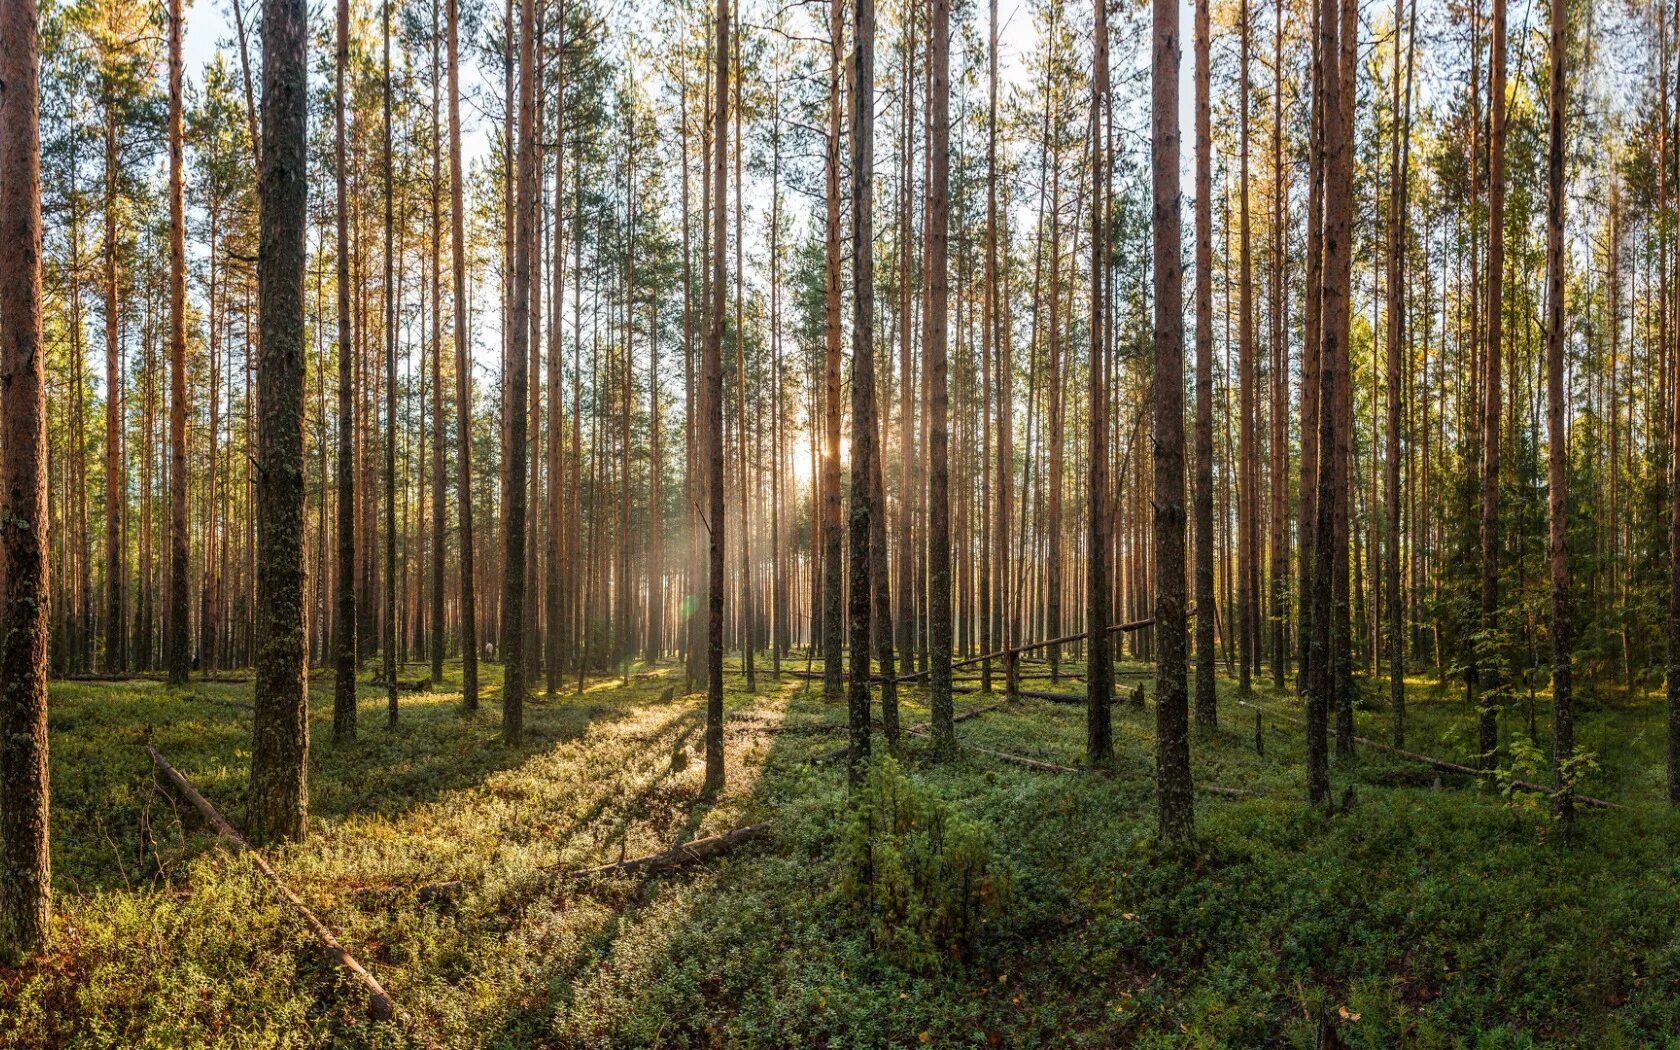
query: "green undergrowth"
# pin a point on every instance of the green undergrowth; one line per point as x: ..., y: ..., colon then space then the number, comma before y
x: 1006, y: 906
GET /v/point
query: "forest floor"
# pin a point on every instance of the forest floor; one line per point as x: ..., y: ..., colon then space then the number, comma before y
x: 1428, y: 914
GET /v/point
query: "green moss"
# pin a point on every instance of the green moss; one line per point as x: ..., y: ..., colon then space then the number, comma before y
x: 1422, y: 917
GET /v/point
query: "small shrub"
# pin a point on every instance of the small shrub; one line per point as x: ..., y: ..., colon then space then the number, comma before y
x: 920, y: 873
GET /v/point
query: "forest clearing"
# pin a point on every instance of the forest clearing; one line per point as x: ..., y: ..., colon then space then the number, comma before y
x: 849, y: 523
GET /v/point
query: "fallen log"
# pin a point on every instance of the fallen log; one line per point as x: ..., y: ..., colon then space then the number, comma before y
x: 406, y: 685
x: 1442, y: 764
x: 919, y: 729
x: 380, y: 1005
x: 693, y: 852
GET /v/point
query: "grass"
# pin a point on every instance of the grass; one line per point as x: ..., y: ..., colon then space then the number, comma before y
x: 1426, y: 915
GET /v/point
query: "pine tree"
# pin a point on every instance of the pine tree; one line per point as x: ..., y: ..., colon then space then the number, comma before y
x: 25, y: 856
x: 279, y: 792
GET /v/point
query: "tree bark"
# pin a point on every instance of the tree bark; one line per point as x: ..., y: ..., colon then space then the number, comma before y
x: 864, y: 507
x: 516, y: 392
x: 1557, y: 437
x: 1207, y: 713
x: 1482, y: 678
x: 833, y: 639
x: 1175, y: 803
x: 712, y: 381
x: 1397, y: 217
x: 115, y: 480
x: 25, y: 856
x: 463, y: 373
x: 939, y: 480
x: 344, y: 619
x: 179, y: 658
x: 439, y: 480
x: 1247, y: 544
x: 279, y: 793
x: 1099, y: 603
x: 389, y: 642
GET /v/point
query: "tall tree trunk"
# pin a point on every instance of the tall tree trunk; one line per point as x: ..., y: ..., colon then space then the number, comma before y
x: 25, y: 857
x: 1312, y: 326
x: 344, y: 619
x: 1328, y: 614
x: 389, y: 643
x: 463, y: 372
x: 939, y: 478
x: 516, y: 391
x: 1280, y: 372
x: 832, y: 637
x: 712, y: 382
x: 1397, y: 216
x: 439, y: 482
x: 1482, y: 678
x: 746, y: 620
x: 1099, y: 603
x: 116, y: 483
x: 1207, y: 712
x: 180, y: 629
x: 1557, y: 437
x: 990, y: 562
x: 908, y: 490
x: 865, y: 507
x: 1247, y: 545
x: 1175, y: 804
x: 279, y: 792
x: 554, y: 617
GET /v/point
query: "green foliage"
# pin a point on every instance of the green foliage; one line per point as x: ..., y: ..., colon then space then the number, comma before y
x: 921, y: 874
x: 1426, y: 916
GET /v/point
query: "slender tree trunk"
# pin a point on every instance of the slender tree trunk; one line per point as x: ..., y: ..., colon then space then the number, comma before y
x: 1280, y: 372
x: 712, y: 382
x: 1175, y: 804
x: 1397, y: 216
x: 1099, y: 603
x: 1247, y: 545
x: 25, y: 856
x: 180, y: 627
x: 908, y: 489
x: 990, y: 562
x: 748, y: 635
x: 1330, y: 554
x: 115, y: 481
x: 389, y: 643
x: 1311, y: 349
x: 1557, y: 437
x: 463, y: 372
x: 439, y: 481
x: 832, y: 637
x: 1483, y: 679
x: 864, y: 504
x: 939, y: 479
x: 344, y: 619
x: 279, y: 792
x: 1207, y: 712
x: 516, y: 391
x: 554, y: 618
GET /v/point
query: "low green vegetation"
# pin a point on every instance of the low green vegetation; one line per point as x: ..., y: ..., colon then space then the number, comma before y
x: 967, y: 903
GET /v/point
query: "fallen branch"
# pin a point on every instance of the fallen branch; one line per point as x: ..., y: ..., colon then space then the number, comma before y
x: 380, y: 1005
x: 1442, y: 764
x: 693, y: 852
x: 919, y: 729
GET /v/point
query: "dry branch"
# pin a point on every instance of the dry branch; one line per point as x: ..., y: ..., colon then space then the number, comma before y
x: 695, y: 851
x: 1442, y: 764
x: 380, y: 1005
